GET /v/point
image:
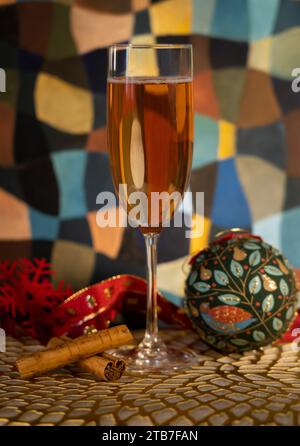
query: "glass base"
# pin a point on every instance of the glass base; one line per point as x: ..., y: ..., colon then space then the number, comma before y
x: 144, y: 359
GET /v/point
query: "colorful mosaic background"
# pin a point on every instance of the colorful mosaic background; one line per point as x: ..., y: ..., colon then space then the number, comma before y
x: 53, y: 158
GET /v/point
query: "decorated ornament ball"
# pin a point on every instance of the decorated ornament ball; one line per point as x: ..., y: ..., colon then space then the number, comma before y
x: 240, y: 292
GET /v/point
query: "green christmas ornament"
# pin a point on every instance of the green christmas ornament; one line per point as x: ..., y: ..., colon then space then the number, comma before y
x: 240, y: 292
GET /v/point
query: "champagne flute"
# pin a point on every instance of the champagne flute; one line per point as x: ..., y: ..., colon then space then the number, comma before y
x: 150, y: 140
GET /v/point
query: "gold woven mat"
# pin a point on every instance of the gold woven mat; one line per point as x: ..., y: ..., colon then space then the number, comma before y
x: 256, y: 388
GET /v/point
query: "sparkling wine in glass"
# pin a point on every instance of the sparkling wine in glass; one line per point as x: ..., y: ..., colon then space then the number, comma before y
x: 150, y: 140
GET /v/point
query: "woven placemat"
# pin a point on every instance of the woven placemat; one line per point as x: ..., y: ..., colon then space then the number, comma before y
x: 256, y: 388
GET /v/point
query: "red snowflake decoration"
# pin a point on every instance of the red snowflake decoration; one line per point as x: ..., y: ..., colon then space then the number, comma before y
x: 27, y: 296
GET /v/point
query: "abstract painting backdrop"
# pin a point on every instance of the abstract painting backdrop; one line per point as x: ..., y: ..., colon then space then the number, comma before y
x: 53, y: 151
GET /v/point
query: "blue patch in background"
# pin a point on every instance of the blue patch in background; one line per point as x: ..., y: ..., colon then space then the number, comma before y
x: 70, y: 170
x: 230, y: 208
x: 230, y: 20
x: 290, y: 235
x: 262, y: 17
x: 206, y: 141
x: 43, y: 226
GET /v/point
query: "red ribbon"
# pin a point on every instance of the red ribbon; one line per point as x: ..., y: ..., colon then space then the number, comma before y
x: 96, y: 306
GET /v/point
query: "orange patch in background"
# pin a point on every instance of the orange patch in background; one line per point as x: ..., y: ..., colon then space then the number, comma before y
x: 97, y: 141
x: 7, y: 126
x: 139, y: 5
x: 205, y: 100
x: 259, y: 105
x: 107, y: 240
x: 91, y: 29
x: 201, y: 54
x: 7, y: 2
x: 291, y: 122
x: 14, y: 221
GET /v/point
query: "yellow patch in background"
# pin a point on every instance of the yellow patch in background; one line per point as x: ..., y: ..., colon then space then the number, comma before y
x: 171, y: 17
x: 143, y: 39
x: 285, y: 54
x: 141, y: 62
x: 73, y: 262
x: 259, y: 55
x: 227, y: 140
x: 200, y: 242
x: 62, y: 105
x: 171, y: 276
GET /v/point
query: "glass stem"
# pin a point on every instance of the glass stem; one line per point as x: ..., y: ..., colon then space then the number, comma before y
x: 151, y: 339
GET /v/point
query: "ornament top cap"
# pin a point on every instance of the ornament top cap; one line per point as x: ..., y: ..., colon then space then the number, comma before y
x: 231, y: 230
x: 227, y: 234
x: 233, y: 233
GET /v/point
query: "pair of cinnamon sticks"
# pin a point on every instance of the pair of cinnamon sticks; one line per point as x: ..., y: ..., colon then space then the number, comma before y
x: 83, y: 350
x: 104, y: 367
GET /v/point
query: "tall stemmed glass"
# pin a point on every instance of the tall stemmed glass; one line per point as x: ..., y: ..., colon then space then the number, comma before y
x: 150, y: 140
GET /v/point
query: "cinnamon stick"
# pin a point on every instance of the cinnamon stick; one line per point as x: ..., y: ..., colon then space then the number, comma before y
x: 73, y: 351
x: 116, y: 361
x: 103, y: 368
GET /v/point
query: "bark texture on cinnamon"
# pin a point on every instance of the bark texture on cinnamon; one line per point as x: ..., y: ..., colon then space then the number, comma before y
x: 73, y: 351
x: 105, y: 368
